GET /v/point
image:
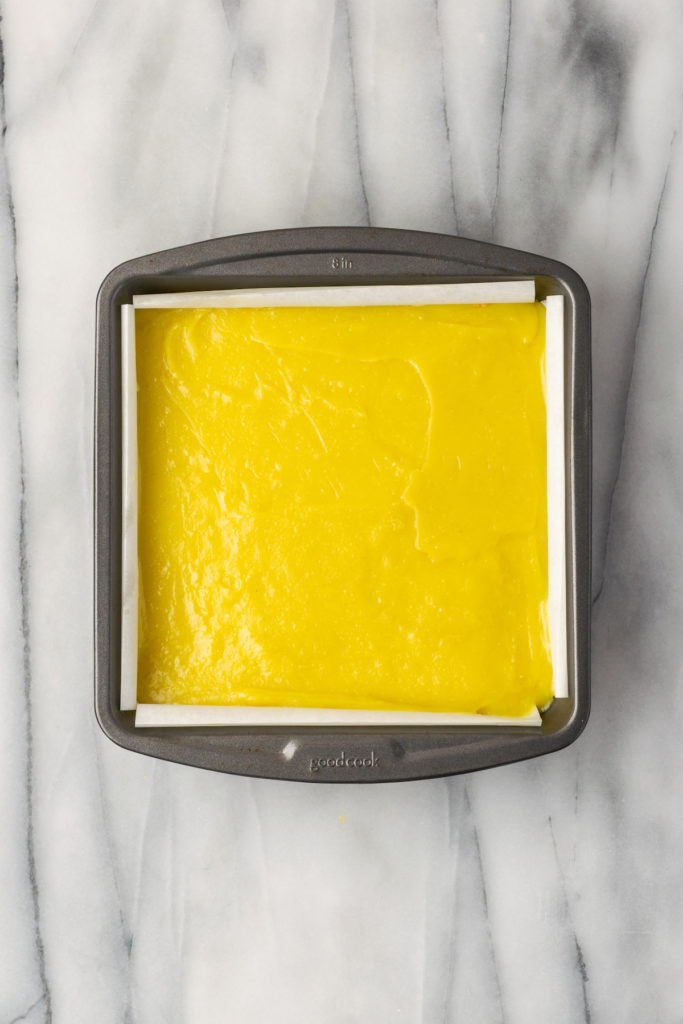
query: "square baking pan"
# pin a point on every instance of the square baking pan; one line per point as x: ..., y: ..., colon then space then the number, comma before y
x: 331, y: 257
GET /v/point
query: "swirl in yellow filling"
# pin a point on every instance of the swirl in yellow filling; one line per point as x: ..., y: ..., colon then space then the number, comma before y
x: 344, y: 507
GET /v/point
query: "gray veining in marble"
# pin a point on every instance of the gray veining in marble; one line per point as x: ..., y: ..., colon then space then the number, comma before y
x: 143, y: 892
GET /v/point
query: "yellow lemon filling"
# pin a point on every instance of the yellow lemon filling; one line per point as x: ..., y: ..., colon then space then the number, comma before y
x: 344, y: 508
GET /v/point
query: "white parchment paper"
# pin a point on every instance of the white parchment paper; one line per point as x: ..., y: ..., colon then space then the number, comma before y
x: 470, y: 292
x: 557, y: 580
x: 211, y: 714
x: 129, y: 514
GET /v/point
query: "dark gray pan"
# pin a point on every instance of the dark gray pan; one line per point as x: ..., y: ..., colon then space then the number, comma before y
x: 333, y: 256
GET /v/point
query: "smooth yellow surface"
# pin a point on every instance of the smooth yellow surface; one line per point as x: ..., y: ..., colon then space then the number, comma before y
x: 344, y: 507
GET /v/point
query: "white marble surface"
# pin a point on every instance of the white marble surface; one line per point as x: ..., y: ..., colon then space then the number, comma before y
x: 139, y: 891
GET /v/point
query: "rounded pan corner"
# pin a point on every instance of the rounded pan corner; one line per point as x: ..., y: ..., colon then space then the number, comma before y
x: 573, y: 282
x: 112, y: 728
x: 111, y: 285
x: 571, y: 730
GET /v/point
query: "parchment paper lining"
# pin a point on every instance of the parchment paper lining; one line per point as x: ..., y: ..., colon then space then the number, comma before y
x: 211, y: 714
x: 469, y: 292
x: 129, y: 514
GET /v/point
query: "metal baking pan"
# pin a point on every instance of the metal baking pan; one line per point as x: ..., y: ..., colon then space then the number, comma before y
x: 333, y: 256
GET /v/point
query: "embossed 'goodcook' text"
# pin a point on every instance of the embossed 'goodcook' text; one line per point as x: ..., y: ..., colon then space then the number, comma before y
x: 342, y: 761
